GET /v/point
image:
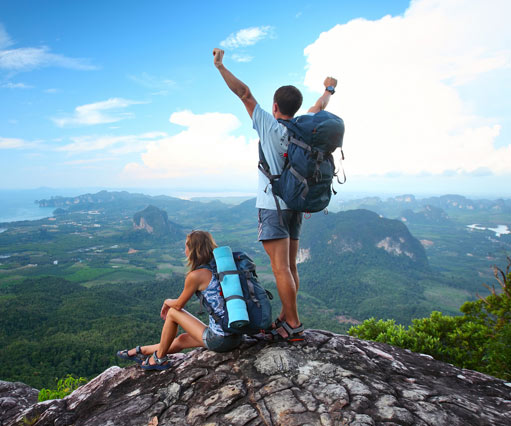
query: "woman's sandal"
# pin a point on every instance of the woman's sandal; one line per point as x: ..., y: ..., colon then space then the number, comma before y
x: 138, y: 357
x: 285, y: 333
x: 159, y: 363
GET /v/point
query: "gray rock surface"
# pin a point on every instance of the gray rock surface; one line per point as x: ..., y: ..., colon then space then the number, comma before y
x: 15, y: 397
x: 328, y: 380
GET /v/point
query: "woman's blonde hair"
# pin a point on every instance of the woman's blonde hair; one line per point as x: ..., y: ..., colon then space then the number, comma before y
x: 200, y: 246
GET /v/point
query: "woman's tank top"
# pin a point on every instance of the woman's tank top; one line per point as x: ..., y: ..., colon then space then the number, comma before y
x: 212, y: 294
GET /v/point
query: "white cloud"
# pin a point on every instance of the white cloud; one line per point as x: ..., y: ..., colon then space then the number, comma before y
x: 119, y: 145
x: 12, y: 143
x: 400, y: 81
x: 87, y: 161
x: 91, y: 114
x: 205, y: 152
x: 18, y: 143
x: 242, y: 57
x: 28, y: 58
x: 162, y: 85
x: 246, y: 37
x: 11, y: 85
x: 5, y: 40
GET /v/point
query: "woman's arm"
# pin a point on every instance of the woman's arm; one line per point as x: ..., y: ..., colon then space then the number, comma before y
x: 192, y: 283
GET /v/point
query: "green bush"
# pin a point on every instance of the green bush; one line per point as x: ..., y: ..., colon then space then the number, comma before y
x: 480, y: 339
x: 64, y: 388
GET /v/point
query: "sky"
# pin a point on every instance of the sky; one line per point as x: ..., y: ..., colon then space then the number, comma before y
x: 125, y: 94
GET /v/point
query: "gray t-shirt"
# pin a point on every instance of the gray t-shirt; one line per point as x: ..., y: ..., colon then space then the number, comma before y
x: 273, y: 136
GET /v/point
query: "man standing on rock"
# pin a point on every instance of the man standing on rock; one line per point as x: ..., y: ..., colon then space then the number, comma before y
x: 280, y: 238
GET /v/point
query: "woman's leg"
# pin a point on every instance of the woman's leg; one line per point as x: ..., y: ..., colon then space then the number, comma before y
x: 183, y: 341
x: 168, y: 343
x: 146, y: 350
x: 191, y: 339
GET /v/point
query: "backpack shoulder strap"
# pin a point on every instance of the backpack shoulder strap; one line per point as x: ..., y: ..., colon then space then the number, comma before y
x: 294, y: 131
x: 264, y: 167
x: 262, y: 159
x: 211, y: 265
x: 203, y: 303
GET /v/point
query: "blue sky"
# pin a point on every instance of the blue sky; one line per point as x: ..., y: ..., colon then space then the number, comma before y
x: 125, y: 95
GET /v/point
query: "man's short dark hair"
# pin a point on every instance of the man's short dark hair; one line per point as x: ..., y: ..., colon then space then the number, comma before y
x: 289, y: 99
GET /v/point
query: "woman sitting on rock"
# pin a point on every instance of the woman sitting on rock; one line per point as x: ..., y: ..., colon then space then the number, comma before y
x: 199, y: 248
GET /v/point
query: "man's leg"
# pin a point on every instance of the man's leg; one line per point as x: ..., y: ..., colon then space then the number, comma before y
x: 279, y: 252
x: 293, y: 252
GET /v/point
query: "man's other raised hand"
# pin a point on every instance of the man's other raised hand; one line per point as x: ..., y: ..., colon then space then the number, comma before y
x: 218, y: 57
x: 330, y: 81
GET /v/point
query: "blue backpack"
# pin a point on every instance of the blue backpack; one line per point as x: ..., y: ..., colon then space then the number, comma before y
x: 305, y: 183
x: 254, y: 294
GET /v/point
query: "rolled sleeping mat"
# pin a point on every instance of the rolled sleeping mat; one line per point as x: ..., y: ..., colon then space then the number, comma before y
x: 231, y: 287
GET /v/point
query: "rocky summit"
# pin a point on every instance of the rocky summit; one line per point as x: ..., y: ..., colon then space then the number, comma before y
x: 327, y: 380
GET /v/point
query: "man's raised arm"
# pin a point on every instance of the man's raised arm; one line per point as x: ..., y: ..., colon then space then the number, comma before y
x: 330, y: 85
x: 239, y: 88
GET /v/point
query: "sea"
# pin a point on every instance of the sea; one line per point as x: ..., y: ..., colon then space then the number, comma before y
x: 18, y: 205
x: 499, y: 230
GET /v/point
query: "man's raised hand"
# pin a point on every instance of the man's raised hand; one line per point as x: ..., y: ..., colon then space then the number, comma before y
x: 218, y: 56
x: 330, y: 81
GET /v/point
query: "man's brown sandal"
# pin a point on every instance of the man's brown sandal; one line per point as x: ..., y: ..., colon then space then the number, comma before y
x: 285, y: 333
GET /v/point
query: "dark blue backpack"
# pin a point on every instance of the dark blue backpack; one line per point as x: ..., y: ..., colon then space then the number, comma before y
x: 305, y: 183
x: 255, y: 296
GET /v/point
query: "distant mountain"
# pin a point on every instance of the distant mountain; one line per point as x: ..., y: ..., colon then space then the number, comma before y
x: 329, y: 237
x: 458, y: 202
x: 217, y: 212
x: 363, y: 265
x: 429, y: 215
x: 155, y: 221
x: 111, y: 200
x: 102, y: 197
x: 244, y: 212
x: 451, y: 203
x: 390, y: 207
x: 190, y: 214
x: 234, y: 200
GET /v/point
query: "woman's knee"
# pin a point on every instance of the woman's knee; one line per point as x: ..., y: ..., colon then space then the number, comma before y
x: 171, y: 314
